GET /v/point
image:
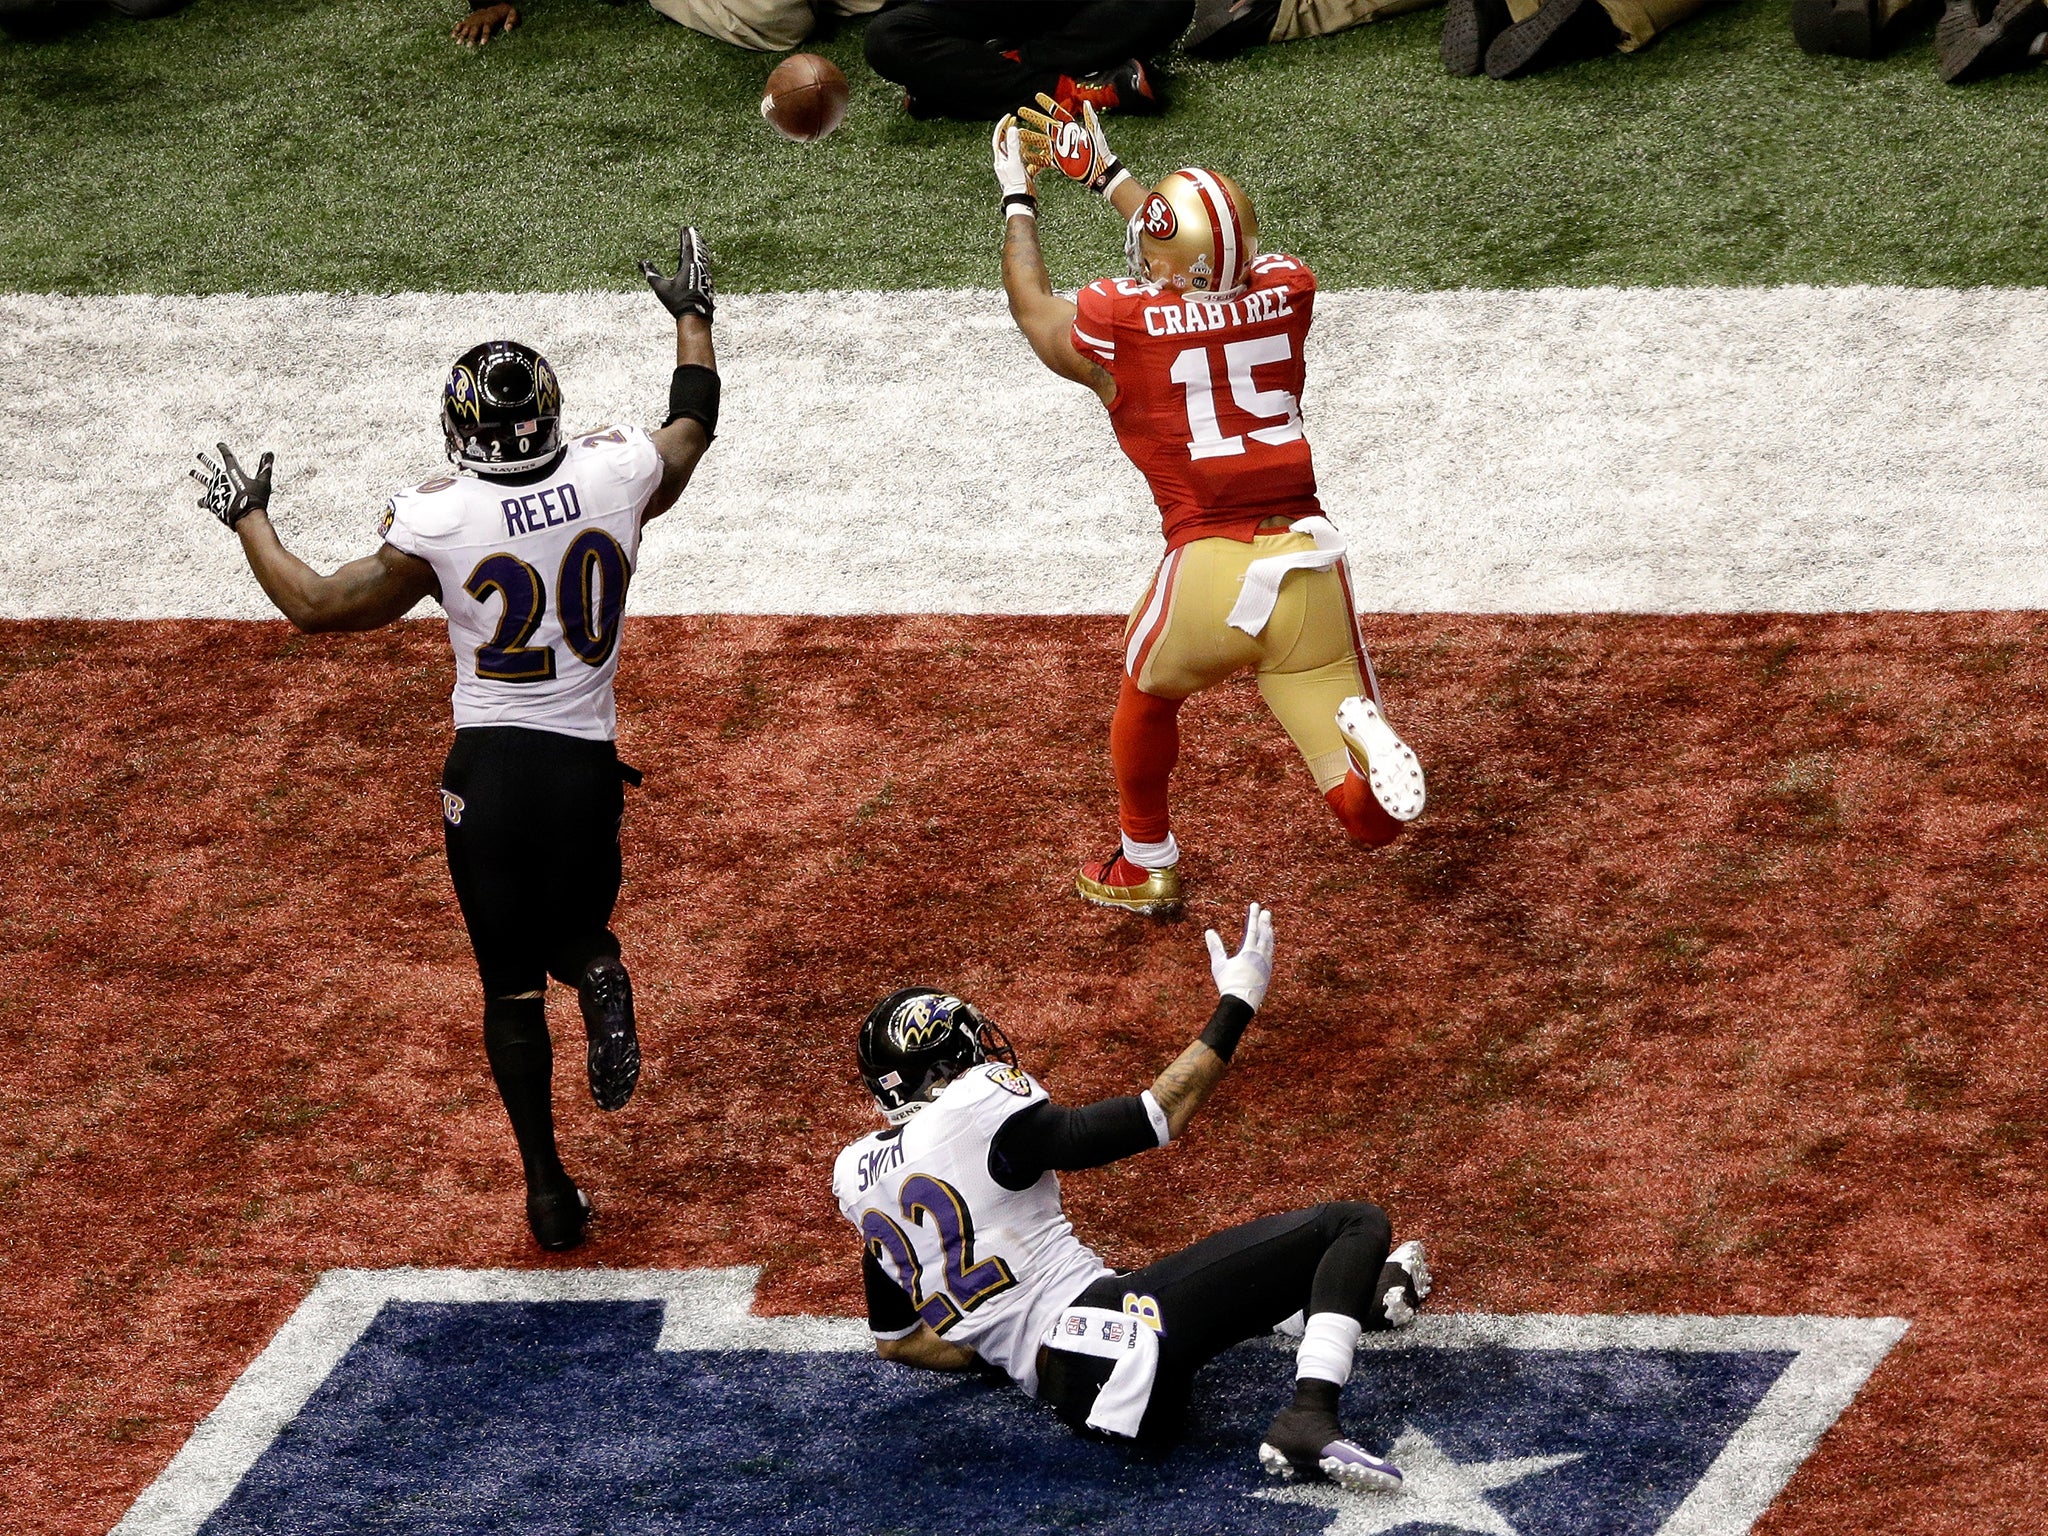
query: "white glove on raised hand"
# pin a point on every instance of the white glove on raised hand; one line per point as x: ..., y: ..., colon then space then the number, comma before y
x: 1012, y: 174
x: 1249, y: 972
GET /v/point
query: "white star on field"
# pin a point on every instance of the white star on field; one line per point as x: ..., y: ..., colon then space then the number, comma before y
x: 1435, y: 1491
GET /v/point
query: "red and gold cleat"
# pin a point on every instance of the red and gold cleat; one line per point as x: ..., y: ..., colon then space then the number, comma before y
x: 1117, y: 882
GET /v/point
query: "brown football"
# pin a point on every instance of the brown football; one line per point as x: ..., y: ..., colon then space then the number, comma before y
x: 805, y: 97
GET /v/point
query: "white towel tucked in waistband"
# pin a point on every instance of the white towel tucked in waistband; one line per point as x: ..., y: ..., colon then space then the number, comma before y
x: 1131, y: 1343
x: 1262, y: 578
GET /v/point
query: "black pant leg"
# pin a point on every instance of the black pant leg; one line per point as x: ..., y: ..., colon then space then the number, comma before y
x: 1105, y: 33
x: 585, y: 866
x: 486, y: 821
x: 1238, y: 1283
x: 939, y: 52
x: 531, y: 820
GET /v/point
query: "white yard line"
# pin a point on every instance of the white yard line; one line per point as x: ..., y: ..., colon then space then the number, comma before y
x: 1551, y: 451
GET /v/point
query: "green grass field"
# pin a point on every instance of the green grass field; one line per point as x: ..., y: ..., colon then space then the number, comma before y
x: 347, y: 144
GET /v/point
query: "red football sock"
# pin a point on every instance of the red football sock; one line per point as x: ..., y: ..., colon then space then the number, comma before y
x: 1363, y: 816
x: 1144, y: 744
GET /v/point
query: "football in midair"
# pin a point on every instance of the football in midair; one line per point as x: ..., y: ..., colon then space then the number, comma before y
x: 805, y: 97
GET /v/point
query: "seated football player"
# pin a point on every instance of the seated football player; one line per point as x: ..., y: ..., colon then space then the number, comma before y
x: 978, y: 59
x: 968, y: 1257
x: 1507, y: 39
x: 1198, y: 357
x: 527, y: 540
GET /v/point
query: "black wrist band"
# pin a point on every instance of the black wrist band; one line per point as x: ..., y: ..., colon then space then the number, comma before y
x: 1019, y: 202
x: 693, y: 392
x: 1105, y: 175
x: 1226, y: 1025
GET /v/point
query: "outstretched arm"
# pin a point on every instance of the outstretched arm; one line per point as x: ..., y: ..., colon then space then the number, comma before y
x: 1044, y: 317
x: 364, y: 594
x: 693, y: 389
x: 1049, y: 1137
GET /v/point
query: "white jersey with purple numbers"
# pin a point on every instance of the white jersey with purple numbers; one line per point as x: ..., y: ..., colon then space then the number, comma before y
x: 533, y: 579
x: 988, y: 1267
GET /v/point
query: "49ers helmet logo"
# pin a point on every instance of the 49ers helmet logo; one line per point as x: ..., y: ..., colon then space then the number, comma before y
x: 1160, y: 220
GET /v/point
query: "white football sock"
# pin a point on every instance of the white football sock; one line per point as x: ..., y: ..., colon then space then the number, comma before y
x: 1152, y: 855
x: 1327, y: 1344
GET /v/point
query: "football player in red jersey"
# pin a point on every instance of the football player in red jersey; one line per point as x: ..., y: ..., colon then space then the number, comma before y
x: 1198, y: 356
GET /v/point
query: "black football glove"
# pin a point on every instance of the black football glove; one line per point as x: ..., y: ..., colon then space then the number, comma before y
x: 689, y: 291
x: 232, y: 493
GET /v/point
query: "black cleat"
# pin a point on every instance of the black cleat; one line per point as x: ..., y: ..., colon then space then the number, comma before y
x: 606, y: 995
x: 1309, y: 1443
x: 1130, y: 88
x: 1998, y: 47
x: 1470, y: 26
x: 1563, y: 32
x: 558, y: 1216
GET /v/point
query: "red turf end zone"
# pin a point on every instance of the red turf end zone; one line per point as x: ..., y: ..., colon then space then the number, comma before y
x: 1710, y: 982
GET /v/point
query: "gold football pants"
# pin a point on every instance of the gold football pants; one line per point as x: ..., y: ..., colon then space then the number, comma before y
x: 1309, y: 658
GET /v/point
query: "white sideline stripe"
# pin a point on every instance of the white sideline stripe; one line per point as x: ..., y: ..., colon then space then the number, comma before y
x: 712, y: 1309
x: 1653, y: 450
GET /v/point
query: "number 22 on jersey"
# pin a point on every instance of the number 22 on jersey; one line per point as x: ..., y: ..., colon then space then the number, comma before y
x: 966, y: 1284
x: 590, y: 593
x: 1194, y: 372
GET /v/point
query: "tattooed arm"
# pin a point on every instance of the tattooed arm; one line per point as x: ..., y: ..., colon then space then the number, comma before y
x: 1046, y: 319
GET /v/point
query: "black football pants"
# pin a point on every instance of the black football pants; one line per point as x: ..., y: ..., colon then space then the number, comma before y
x: 1227, y: 1288
x: 948, y: 54
x: 532, y: 824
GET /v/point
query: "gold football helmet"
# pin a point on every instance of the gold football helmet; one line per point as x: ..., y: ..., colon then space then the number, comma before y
x: 1195, y: 233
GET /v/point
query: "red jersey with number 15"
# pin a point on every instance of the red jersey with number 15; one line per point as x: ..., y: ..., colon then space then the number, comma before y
x: 1208, y: 396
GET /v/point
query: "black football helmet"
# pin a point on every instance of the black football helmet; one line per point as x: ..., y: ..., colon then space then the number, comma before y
x: 915, y: 1041
x: 501, y: 410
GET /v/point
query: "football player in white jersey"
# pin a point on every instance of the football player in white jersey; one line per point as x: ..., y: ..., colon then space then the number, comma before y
x: 528, y: 542
x: 969, y: 1257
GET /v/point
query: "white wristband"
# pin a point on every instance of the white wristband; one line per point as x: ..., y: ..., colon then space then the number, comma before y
x: 1161, y: 1127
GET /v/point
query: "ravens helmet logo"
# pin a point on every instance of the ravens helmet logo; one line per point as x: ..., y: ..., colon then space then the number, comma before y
x: 922, y: 1022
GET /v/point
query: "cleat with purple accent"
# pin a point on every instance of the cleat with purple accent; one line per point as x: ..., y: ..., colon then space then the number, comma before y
x: 1308, y: 1444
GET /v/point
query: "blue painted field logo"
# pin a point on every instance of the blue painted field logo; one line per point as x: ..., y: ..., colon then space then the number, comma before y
x: 498, y: 1403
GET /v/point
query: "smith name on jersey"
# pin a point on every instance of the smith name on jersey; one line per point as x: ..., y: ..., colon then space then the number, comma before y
x: 533, y: 576
x: 1208, y: 395
x: 989, y: 1268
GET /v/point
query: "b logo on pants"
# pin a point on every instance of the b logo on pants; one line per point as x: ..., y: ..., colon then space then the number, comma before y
x: 451, y: 808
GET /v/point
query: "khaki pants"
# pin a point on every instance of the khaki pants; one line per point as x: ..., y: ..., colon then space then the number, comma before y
x: 766, y: 26
x: 1319, y: 18
x: 1309, y: 657
x: 1639, y: 20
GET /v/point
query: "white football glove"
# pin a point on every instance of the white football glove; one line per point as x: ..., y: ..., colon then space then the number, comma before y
x: 1012, y: 174
x: 1249, y: 972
